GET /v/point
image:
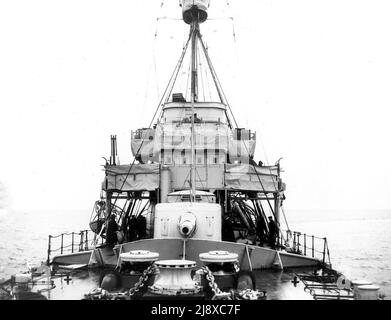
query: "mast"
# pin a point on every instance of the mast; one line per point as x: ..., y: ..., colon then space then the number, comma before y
x: 195, y: 27
x: 194, y: 13
x: 194, y: 98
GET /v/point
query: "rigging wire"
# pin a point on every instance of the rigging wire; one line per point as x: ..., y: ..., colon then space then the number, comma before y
x: 154, y: 52
x: 247, y: 151
x: 220, y: 90
x: 181, y: 84
x: 218, y: 18
x: 205, y: 76
x: 237, y: 60
x: 231, y: 18
x: 263, y: 146
x: 155, y: 64
x: 147, y: 88
x: 207, y: 81
x: 138, y: 207
x: 200, y: 73
x: 188, y: 81
x: 169, y: 18
x: 262, y: 186
x: 174, y: 75
x: 233, y: 29
x: 140, y: 212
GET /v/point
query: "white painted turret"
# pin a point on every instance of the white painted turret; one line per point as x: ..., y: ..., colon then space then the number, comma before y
x: 188, y: 220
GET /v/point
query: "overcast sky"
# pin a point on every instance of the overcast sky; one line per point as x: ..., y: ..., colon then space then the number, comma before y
x: 312, y: 77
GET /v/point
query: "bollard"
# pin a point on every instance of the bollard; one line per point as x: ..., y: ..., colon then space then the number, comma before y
x: 367, y: 292
x: 356, y: 284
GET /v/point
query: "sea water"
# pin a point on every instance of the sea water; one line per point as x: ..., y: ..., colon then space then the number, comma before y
x: 359, y: 242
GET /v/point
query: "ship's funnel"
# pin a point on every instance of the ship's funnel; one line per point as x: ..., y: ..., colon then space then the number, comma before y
x: 195, y: 10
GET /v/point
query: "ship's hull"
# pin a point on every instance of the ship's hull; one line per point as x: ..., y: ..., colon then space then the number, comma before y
x: 250, y: 257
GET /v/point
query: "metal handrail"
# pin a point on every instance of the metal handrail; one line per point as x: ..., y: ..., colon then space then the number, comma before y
x: 308, y: 245
x: 72, y: 246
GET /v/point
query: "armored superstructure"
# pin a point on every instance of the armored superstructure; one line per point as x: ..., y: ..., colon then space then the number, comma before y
x: 196, y: 145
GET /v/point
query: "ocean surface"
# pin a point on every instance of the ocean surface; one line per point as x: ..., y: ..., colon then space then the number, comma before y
x: 359, y: 241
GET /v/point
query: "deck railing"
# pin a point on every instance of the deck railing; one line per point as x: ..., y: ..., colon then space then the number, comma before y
x: 297, y: 242
x: 307, y: 245
x: 71, y: 242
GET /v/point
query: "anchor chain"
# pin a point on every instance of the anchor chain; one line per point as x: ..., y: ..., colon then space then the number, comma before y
x: 217, y: 293
x: 249, y: 294
x: 246, y: 294
x: 101, y: 294
x: 142, y: 280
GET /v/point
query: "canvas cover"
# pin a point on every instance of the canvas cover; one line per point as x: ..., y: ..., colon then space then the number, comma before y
x: 254, y: 178
x: 138, y: 177
x: 146, y: 177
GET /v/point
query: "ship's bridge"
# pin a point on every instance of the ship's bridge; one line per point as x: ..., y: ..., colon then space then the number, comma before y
x: 204, y: 112
x: 214, y: 143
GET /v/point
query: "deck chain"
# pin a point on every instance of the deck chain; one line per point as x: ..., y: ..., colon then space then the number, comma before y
x: 217, y: 293
x: 246, y: 294
x: 142, y: 280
